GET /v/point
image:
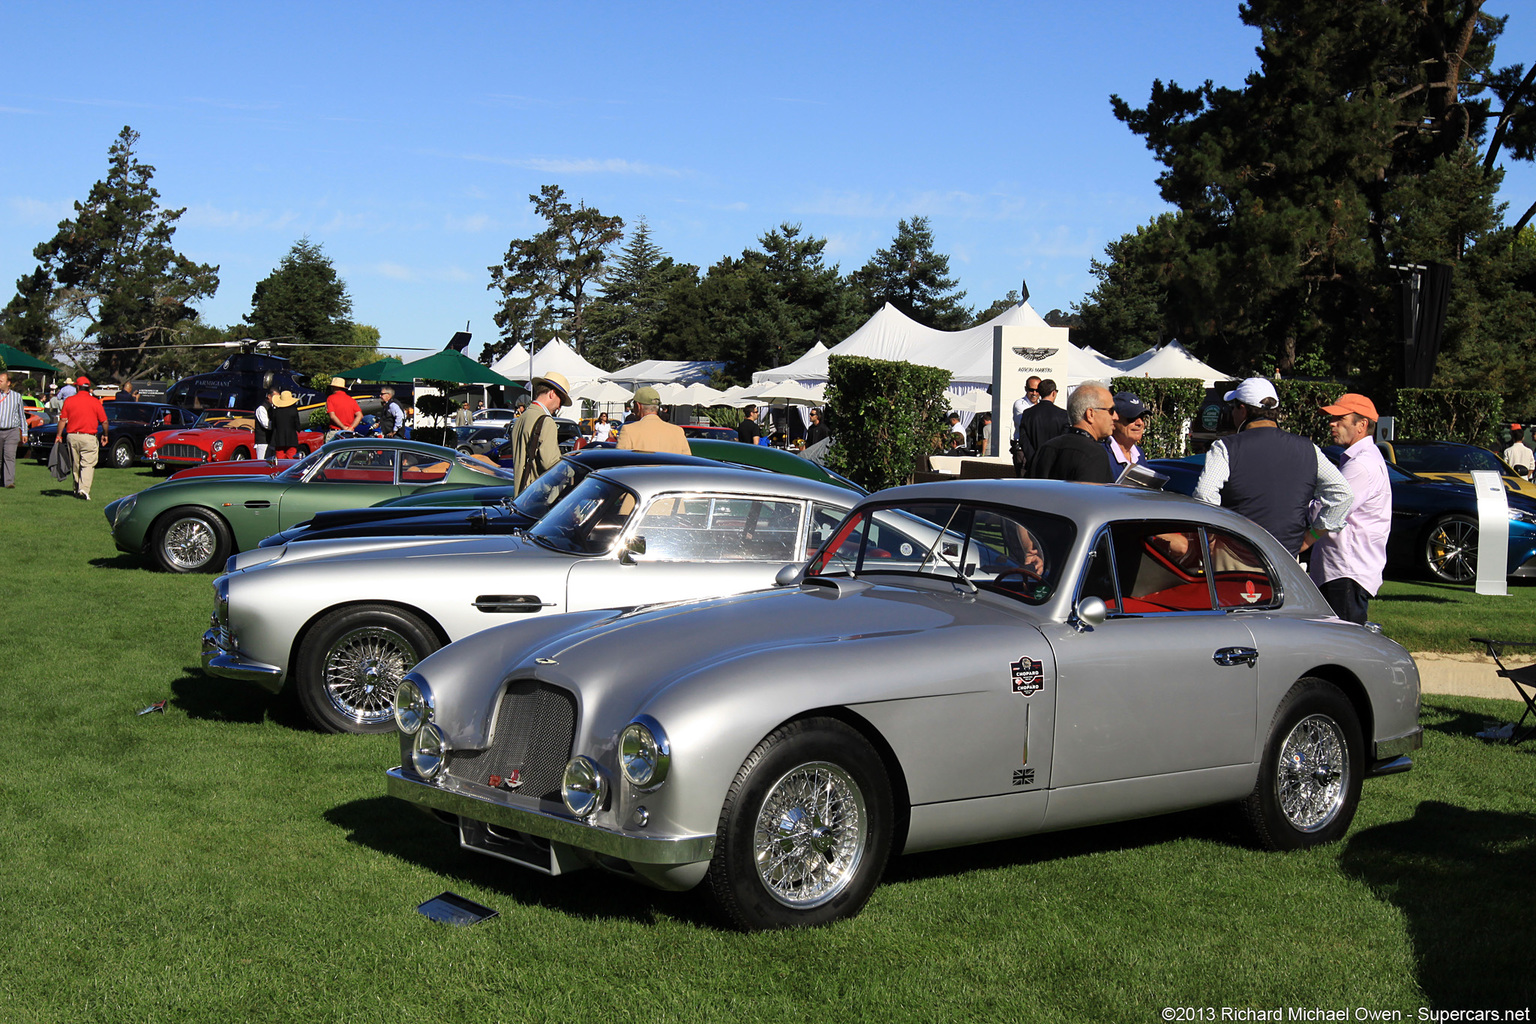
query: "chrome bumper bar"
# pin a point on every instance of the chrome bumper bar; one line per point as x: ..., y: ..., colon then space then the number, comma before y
x: 635, y: 847
x: 1407, y: 743
x: 222, y: 658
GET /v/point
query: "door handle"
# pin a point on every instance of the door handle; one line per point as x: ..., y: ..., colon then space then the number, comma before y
x: 1236, y: 656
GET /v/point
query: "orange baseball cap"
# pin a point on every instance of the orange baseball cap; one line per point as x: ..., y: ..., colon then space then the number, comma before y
x: 1351, y: 402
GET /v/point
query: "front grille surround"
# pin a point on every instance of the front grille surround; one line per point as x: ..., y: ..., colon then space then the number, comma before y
x: 534, y: 732
x: 187, y: 452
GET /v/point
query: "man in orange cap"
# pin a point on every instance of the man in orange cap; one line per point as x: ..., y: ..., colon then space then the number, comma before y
x: 1347, y: 564
x: 82, y: 418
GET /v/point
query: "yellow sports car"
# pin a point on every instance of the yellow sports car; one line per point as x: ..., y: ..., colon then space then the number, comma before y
x: 1447, y: 460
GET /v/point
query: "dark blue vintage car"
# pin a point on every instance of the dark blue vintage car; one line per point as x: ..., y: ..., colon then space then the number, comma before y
x: 1434, y: 522
x: 128, y: 424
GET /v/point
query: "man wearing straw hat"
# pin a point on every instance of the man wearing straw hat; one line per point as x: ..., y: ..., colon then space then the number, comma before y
x: 651, y: 433
x: 535, y: 438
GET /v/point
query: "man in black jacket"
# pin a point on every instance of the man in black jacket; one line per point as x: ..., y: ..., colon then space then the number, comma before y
x: 1043, y: 421
x: 1079, y: 453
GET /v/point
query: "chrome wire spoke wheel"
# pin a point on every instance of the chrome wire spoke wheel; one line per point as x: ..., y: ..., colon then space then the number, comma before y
x: 1313, y: 775
x: 362, y: 669
x: 811, y: 833
x: 189, y: 543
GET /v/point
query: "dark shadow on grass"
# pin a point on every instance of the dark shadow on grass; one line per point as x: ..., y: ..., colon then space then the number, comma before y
x: 1462, y: 880
x: 122, y: 560
x: 392, y: 827
x: 1410, y: 599
x: 210, y: 698
x: 58, y: 492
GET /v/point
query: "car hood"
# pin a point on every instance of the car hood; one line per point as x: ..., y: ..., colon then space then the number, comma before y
x: 623, y: 661
x: 395, y: 549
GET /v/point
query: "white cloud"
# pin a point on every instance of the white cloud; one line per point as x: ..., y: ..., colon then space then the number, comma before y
x: 41, y: 211
x: 400, y: 272
x: 472, y: 224
x: 576, y: 165
x: 205, y: 215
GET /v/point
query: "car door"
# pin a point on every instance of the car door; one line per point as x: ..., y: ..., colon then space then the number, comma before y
x: 1167, y: 683
x: 350, y: 478
x: 695, y: 546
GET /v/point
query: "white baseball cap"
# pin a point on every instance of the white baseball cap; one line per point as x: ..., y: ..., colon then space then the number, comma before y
x: 1254, y: 391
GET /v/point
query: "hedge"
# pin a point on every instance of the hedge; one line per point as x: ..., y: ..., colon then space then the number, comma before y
x: 1173, y: 401
x: 884, y: 416
x: 1434, y: 414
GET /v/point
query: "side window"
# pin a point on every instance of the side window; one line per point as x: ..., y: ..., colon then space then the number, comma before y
x: 359, y: 466
x: 697, y: 528
x: 1098, y: 575
x: 1158, y: 567
x: 416, y: 468
x: 1242, y: 578
x: 824, y: 522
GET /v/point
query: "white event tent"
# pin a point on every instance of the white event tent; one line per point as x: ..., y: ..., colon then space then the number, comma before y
x: 555, y: 355
x: 667, y: 371
x: 1172, y: 360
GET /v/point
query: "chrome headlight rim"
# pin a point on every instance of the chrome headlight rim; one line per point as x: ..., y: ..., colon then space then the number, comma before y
x: 583, y: 786
x: 217, y: 446
x: 124, y: 509
x: 429, y: 753
x: 1520, y: 515
x: 414, y: 705
x: 645, y: 753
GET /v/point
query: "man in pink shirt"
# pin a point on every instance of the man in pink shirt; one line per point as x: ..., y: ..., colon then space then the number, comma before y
x: 1347, y: 564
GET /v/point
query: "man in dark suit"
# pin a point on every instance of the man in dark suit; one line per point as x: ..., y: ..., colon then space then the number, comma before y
x: 1043, y: 421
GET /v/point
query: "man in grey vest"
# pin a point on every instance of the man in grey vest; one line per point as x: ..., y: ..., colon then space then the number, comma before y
x: 1271, y: 475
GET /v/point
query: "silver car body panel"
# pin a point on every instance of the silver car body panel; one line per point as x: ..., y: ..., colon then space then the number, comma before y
x: 1132, y: 717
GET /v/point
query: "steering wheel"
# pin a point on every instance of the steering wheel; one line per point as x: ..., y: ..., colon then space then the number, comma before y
x: 1021, y: 572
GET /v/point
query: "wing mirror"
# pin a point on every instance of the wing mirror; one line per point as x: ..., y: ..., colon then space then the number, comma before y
x: 1090, y: 612
x: 788, y: 576
x: 636, y: 546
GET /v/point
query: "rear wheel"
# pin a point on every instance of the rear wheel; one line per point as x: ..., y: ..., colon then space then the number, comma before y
x: 302, y: 450
x: 190, y: 540
x: 1309, y: 780
x: 1450, y: 549
x: 121, y: 455
x: 805, y: 831
x: 351, y: 662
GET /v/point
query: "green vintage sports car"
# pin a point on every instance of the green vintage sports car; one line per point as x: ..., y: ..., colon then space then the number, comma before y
x: 194, y: 525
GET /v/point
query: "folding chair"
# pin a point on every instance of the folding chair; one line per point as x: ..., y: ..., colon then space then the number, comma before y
x: 1524, y: 680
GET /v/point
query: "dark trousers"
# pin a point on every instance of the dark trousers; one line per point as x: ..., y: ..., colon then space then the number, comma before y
x: 1347, y: 598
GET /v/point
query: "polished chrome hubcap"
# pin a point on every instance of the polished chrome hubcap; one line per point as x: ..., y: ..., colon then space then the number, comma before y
x: 362, y: 669
x: 189, y: 543
x: 810, y: 835
x: 1313, y: 773
x: 1453, y: 551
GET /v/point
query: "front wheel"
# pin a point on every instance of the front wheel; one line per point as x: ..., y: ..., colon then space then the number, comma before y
x: 121, y: 455
x: 190, y: 540
x: 805, y: 831
x: 1450, y: 549
x: 240, y: 455
x: 351, y: 662
x: 1314, y: 762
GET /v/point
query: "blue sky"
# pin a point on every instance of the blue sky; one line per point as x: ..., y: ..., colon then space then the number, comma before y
x: 405, y: 138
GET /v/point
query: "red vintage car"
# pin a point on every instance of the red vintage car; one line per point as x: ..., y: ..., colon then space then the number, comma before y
x: 245, y: 467
x: 219, y: 435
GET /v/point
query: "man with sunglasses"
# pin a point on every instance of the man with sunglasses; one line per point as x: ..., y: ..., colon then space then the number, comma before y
x: 1020, y: 407
x: 1079, y: 455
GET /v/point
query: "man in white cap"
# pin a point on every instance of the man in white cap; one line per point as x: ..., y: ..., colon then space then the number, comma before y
x: 535, y: 438
x: 1270, y: 475
x: 651, y: 433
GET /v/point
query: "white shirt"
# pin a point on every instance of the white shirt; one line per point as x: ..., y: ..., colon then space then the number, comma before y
x: 1019, y: 409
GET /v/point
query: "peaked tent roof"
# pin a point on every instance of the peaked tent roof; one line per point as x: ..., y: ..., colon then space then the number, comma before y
x: 556, y: 355
x: 670, y: 371
x: 448, y: 365
x: 515, y: 357
x: 1174, y: 360
x: 389, y: 364
x: 16, y: 359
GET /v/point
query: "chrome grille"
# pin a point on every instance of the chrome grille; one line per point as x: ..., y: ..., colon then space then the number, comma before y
x: 182, y: 451
x: 535, y: 727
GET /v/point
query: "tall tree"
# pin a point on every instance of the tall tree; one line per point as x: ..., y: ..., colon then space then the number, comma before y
x: 303, y: 300
x: 120, y: 284
x: 545, y: 280
x: 913, y: 278
x: 28, y: 321
x: 622, y: 322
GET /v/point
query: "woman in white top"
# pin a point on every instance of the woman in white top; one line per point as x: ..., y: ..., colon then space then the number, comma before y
x: 601, y: 428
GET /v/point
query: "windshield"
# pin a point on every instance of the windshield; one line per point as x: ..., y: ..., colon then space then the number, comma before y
x: 542, y: 494
x: 300, y: 468
x: 1013, y: 551
x: 224, y: 418
x: 587, y: 520
x: 1447, y: 459
x: 475, y: 465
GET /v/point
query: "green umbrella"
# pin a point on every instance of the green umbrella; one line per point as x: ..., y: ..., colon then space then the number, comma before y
x: 16, y: 359
x: 449, y: 366
x: 388, y: 364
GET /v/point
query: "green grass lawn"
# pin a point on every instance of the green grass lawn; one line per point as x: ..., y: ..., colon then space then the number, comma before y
x: 220, y: 862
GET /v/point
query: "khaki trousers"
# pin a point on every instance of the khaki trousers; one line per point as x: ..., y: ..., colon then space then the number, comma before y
x: 84, y: 448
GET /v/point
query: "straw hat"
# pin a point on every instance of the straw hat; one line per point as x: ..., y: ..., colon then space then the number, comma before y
x: 284, y: 400
x: 557, y: 382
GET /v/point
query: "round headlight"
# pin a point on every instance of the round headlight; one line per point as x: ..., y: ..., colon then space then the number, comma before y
x: 218, y: 446
x: 428, y: 751
x: 644, y: 753
x: 149, y: 442
x: 583, y: 787
x: 413, y: 705
x: 124, y: 508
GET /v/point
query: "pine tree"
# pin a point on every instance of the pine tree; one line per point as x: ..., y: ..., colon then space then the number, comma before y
x: 913, y: 278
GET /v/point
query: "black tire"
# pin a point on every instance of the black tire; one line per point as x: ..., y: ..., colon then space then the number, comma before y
x: 121, y: 456
x: 350, y: 663
x: 302, y: 450
x: 240, y: 455
x: 1313, y: 764
x: 190, y: 539
x: 829, y: 863
x: 1449, y: 549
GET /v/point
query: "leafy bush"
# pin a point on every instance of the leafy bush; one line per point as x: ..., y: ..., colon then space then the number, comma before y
x: 725, y: 415
x: 1433, y: 414
x: 1301, y: 403
x: 1173, y: 401
x: 883, y: 416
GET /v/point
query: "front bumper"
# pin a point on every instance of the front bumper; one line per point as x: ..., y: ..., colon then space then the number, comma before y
x: 455, y: 797
x: 221, y: 657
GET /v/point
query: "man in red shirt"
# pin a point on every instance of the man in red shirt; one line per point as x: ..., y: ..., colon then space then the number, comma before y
x: 344, y: 411
x: 81, y: 419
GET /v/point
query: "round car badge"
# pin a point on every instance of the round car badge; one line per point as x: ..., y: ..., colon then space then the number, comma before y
x: 906, y: 550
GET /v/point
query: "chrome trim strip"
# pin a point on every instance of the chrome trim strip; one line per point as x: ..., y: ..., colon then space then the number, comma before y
x: 220, y: 658
x: 455, y: 798
x: 1392, y: 767
x: 1399, y: 745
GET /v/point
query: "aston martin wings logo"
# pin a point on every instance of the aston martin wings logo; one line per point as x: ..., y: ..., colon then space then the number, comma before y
x: 1034, y: 355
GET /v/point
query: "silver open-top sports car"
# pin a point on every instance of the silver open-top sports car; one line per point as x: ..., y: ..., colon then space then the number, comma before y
x: 342, y: 621
x: 960, y: 662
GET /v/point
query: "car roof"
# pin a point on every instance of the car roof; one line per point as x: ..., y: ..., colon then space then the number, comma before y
x: 646, y: 480
x: 346, y: 443
x: 601, y: 458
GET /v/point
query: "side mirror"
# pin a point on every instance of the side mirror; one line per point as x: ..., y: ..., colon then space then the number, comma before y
x: 788, y: 576
x: 636, y: 546
x: 1090, y: 612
